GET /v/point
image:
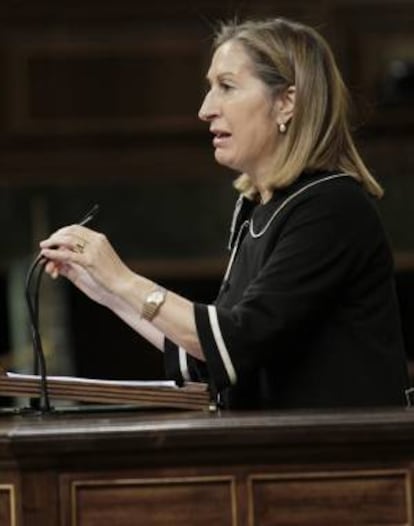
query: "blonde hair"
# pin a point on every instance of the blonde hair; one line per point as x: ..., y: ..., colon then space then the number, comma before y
x: 286, y: 53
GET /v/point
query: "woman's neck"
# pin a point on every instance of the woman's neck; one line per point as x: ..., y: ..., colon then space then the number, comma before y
x: 265, y: 196
x: 259, y: 176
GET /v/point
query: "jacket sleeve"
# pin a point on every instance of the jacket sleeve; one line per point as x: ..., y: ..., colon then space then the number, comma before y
x: 179, y: 365
x: 182, y: 367
x: 304, y: 276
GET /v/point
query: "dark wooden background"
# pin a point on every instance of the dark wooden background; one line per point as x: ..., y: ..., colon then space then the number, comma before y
x: 98, y: 103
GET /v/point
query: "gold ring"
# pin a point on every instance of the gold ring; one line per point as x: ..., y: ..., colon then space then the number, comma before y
x: 80, y: 247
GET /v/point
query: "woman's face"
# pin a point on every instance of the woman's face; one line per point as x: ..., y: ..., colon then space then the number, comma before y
x: 240, y: 110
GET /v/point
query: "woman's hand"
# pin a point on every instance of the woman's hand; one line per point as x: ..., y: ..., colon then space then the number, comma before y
x: 88, y: 260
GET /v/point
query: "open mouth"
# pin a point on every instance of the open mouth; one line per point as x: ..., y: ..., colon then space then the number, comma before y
x: 220, y: 138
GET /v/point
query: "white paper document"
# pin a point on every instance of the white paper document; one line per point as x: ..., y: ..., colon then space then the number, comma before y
x: 93, y: 381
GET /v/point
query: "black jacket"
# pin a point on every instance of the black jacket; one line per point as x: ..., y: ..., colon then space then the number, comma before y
x: 308, y: 315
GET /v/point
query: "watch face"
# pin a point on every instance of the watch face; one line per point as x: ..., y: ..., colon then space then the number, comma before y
x: 152, y: 303
x: 156, y: 296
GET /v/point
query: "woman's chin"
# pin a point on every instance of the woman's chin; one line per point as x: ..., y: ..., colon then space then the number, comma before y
x: 224, y: 160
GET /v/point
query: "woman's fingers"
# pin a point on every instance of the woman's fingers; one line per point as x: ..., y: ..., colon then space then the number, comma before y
x: 64, y: 240
x: 52, y: 269
x: 61, y: 255
x: 67, y: 243
x: 75, y: 250
x: 73, y: 237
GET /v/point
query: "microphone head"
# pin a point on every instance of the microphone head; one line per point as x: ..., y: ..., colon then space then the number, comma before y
x: 90, y: 215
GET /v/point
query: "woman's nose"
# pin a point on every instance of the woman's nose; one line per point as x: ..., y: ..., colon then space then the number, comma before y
x: 207, y: 110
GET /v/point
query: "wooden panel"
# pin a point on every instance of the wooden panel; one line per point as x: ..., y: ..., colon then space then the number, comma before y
x: 97, y: 89
x: 7, y: 505
x: 349, y: 498
x: 93, y: 468
x: 103, y: 84
x: 185, y: 501
x: 376, y: 46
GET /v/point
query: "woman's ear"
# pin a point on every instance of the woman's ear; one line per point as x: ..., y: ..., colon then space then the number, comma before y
x: 285, y: 105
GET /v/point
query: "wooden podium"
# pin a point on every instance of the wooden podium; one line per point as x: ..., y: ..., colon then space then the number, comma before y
x: 192, y: 468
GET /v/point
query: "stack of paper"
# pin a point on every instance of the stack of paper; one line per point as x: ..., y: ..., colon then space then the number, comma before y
x: 156, y: 394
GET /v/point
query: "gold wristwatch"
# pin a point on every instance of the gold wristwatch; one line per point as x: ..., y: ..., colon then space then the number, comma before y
x: 153, y: 302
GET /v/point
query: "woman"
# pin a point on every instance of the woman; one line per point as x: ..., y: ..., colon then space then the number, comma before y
x: 307, y: 314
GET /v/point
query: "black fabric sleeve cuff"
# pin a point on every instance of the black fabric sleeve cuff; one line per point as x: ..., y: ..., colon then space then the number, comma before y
x: 181, y: 367
x: 216, y: 352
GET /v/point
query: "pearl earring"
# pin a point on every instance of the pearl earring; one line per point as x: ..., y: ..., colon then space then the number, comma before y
x: 282, y: 127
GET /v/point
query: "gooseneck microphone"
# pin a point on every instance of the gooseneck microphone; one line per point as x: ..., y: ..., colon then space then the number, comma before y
x: 32, y: 301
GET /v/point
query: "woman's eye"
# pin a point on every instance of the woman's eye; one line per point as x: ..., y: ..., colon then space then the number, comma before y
x: 226, y: 87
